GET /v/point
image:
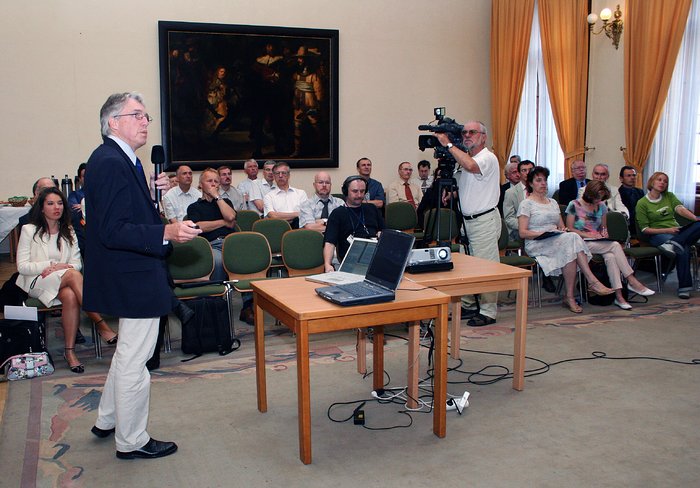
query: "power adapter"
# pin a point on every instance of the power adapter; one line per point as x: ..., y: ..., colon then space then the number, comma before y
x: 358, y: 415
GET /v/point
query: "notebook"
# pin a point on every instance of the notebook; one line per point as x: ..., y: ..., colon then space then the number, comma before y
x: 383, y: 275
x: 354, y: 265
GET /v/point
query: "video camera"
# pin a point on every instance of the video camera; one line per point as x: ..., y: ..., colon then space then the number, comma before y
x: 446, y: 162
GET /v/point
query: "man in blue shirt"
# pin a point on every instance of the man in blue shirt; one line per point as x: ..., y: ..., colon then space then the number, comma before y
x: 375, y: 190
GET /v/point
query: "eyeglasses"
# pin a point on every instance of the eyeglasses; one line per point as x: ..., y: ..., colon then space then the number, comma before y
x: 281, y: 173
x: 137, y: 116
x: 471, y: 132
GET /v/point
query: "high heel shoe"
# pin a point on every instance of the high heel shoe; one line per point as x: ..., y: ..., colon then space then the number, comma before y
x: 571, y: 304
x: 78, y: 368
x: 600, y: 289
x: 111, y: 341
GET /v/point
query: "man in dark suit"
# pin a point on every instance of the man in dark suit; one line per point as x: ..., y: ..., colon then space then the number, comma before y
x: 568, y: 189
x: 126, y: 274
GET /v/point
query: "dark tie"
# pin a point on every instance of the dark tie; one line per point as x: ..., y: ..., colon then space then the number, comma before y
x: 409, y: 195
x: 324, y: 211
x: 139, y: 170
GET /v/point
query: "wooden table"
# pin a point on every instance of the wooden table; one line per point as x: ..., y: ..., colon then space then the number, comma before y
x: 294, y: 302
x: 473, y: 275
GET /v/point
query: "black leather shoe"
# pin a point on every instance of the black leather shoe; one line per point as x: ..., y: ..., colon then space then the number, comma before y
x: 183, y: 312
x: 548, y: 284
x: 79, y: 337
x: 153, y: 449
x: 247, y: 316
x: 102, y: 433
x: 468, y: 313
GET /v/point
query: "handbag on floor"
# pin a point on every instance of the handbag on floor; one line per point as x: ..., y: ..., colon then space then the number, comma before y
x: 27, y: 366
x: 209, y: 330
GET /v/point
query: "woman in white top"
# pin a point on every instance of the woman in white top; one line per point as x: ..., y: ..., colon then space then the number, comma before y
x: 48, y: 261
x: 538, y: 217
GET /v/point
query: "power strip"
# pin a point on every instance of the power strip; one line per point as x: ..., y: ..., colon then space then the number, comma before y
x: 458, y: 404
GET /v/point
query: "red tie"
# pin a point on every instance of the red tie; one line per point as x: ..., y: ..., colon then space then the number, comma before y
x: 409, y: 195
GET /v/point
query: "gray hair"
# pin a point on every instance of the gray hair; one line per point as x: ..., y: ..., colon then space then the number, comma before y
x: 114, y: 104
x: 508, y: 168
x: 517, y: 157
x: 245, y: 164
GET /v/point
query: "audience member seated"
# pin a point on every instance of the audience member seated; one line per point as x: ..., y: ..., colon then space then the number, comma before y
x: 229, y: 192
x: 614, y: 202
x: 561, y: 253
x: 176, y: 200
x: 267, y: 182
x: 314, y: 212
x: 75, y: 201
x: 656, y: 220
x: 39, y: 185
x: 587, y: 217
x: 250, y: 187
x: 284, y: 202
x: 512, y: 175
x: 630, y: 194
x: 514, y: 195
x: 356, y: 219
x: 375, y: 190
x: 215, y: 216
x: 403, y: 190
x: 48, y: 261
x: 425, y: 179
x: 568, y: 189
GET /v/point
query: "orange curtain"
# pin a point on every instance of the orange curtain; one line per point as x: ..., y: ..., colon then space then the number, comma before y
x: 511, y: 25
x: 564, y: 32
x: 653, y: 32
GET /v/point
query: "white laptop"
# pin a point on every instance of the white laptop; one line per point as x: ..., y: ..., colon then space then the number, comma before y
x: 354, y: 266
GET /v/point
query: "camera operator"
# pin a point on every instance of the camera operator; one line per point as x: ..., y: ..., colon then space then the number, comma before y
x: 479, y: 191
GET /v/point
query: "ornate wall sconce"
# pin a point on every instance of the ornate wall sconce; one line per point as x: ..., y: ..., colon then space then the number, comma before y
x: 612, y: 28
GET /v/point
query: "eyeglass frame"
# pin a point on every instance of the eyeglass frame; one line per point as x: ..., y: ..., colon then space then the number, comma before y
x: 136, y: 115
x: 472, y: 132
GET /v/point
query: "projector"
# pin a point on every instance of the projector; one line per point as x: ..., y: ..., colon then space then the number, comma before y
x: 431, y: 255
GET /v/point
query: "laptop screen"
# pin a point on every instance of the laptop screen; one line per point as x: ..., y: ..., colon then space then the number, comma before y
x: 390, y: 258
x: 358, y: 257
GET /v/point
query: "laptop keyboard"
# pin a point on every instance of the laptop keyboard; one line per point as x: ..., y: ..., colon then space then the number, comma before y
x: 361, y: 289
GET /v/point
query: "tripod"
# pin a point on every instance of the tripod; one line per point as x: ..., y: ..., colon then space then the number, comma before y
x: 434, y: 226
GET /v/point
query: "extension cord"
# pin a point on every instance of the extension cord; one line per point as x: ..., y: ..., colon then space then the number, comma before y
x: 458, y: 403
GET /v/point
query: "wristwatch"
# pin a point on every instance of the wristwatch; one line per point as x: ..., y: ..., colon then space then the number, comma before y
x: 449, y: 146
x: 217, y: 199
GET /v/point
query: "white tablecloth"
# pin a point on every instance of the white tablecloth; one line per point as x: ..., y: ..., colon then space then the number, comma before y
x: 9, y: 217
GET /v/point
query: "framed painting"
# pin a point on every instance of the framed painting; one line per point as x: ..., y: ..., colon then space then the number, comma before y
x: 233, y: 92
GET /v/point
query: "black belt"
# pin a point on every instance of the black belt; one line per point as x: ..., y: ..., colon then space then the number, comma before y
x: 472, y: 217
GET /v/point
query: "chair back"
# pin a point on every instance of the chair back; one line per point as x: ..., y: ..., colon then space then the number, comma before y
x: 191, y: 261
x: 555, y: 195
x: 449, y: 226
x: 273, y: 230
x: 302, y: 252
x: 401, y: 216
x: 246, y: 218
x: 246, y: 255
x: 617, y: 227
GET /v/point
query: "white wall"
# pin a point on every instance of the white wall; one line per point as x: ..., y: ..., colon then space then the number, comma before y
x: 398, y: 60
x: 605, y: 127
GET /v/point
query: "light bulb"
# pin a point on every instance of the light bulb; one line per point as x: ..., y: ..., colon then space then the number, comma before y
x: 592, y: 18
x: 605, y: 14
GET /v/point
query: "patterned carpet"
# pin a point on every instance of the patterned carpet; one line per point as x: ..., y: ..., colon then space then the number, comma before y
x: 59, y: 402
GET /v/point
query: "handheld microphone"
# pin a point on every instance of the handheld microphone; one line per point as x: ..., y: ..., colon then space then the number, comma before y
x: 158, y: 158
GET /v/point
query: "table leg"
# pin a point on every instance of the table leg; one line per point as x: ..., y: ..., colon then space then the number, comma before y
x: 260, y: 357
x: 520, y: 327
x: 413, y: 364
x: 362, y: 351
x: 455, y: 329
x: 440, y: 374
x: 378, y: 357
x: 304, y: 393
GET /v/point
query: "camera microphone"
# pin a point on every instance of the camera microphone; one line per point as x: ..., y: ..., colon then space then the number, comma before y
x: 158, y: 159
